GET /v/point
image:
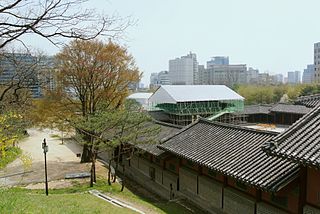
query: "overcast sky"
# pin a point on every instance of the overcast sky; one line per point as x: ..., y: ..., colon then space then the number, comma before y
x: 271, y: 35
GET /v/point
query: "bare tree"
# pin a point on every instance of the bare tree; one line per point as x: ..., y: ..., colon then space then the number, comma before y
x: 54, y: 19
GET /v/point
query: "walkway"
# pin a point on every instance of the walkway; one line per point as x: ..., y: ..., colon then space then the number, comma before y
x: 61, y: 159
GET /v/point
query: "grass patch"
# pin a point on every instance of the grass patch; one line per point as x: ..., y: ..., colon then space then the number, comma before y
x: 22, y: 201
x: 76, y: 199
x: 11, y: 154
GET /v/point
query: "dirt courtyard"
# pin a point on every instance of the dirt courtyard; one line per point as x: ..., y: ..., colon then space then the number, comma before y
x: 61, y: 159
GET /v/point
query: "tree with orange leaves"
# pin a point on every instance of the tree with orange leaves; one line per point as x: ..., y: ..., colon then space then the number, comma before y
x: 92, y: 76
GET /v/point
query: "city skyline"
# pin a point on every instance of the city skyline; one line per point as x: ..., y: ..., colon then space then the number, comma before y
x: 268, y: 35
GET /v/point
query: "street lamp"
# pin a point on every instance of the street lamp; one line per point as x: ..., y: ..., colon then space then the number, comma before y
x: 45, y: 150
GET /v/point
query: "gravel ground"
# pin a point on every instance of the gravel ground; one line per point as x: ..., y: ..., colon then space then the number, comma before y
x: 61, y: 159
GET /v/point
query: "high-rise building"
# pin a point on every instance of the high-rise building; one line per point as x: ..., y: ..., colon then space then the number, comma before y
x: 308, y: 74
x: 161, y: 78
x: 224, y: 75
x: 277, y: 78
x: 201, y: 75
x: 20, y: 67
x: 294, y: 77
x: 154, y: 81
x: 264, y: 78
x: 317, y: 62
x: 184, y: 70
x: 47, y: 74
x: 291, y: 77
x: 218, y: 60
x: 252, y: 75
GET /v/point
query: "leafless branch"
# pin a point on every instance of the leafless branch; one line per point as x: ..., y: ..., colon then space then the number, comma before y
x: 54, y: 19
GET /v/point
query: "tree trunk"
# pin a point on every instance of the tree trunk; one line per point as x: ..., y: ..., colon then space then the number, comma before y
x: 117, y: 163
x: 124, y: 178
x: 91, y: 175
x: 109, y: 172
x: 61, y: 137
x: 94, y: 167
x: 86, y: 154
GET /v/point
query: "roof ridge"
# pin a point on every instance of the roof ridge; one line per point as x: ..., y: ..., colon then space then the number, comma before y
x: 308, y: 96
x: 179, y: 132
x: 167, y: 124
x: 228, y: 125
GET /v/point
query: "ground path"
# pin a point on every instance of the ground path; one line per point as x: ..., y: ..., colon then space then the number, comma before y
x: 61, y: 159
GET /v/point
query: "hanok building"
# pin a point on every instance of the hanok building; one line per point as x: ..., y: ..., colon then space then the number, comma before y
x: 280, y: 113
x: 220, y: 167
x: 309, y: 101
x: 257, y: 113
x: 287, y: 114
x: 300, y: 144
x: 183, y: 104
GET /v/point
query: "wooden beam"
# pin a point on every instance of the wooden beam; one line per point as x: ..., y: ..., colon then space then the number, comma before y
x: 302, y: 188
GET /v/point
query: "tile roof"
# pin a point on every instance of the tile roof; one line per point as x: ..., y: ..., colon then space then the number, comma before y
x: 309, y: 101
x: 290, y: 108
x: 301, y: 142
x: 256, y: 109
x: 279, y: 107
x: 166, y: 130
x: 234, y: 151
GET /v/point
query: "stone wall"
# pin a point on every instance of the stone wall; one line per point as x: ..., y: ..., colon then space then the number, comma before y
x: 188, y: 181
x: 210, y: 192
x: 263, y: 208
x: 236, y: 202
x: 202, y: 190
x: 152, y: 185
x: 310, y: 210
x: 144, y: 166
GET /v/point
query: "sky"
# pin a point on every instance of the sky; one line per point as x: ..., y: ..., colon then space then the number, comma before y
x: 271, y: 35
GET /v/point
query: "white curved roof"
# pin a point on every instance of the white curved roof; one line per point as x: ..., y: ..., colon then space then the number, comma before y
x: 140, y: 96
x: 190, y: 93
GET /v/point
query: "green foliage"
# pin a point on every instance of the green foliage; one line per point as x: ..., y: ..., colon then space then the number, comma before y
x: 11, y: 154
x: 12, y: 127
x: 262, y: 94
x: 26, y: 160
x: 310, y: 89
x: 76, y: 200
x: 112, y: 128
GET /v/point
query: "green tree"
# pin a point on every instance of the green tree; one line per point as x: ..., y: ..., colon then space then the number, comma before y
x: 114, y: 129
x: 12, y: 128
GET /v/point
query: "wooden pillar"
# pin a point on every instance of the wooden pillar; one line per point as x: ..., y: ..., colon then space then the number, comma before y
x: 199, y: 174
x: 225, y: 184
x: 258, y: 199
x: 302, y: 188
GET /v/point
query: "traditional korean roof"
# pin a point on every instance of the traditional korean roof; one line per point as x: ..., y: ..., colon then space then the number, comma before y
x: 290, y: 108
x: 166, y: 130
x: 301, y: 142
x: 234, y: 151
x: 309, y: 101
x: 193, y: 93
x: 256, y: 109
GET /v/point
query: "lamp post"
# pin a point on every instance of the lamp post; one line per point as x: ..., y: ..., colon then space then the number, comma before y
x: 45, y: 150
